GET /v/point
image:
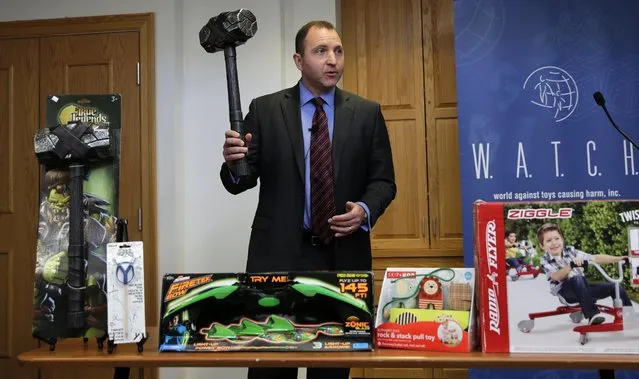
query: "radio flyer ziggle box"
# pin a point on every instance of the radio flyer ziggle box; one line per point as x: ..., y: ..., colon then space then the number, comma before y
x: 290, y: 311
x: 427, y: 309
x: 549, y: 272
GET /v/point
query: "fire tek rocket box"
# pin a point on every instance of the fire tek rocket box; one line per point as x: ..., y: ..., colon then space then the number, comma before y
x: 309, y: 311
x: 427, y: 309
x: 558, y: 276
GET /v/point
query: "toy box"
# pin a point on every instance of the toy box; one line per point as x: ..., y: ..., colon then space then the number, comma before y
x: 305, y: 311
x: 536, y: 295
x: 69, y: 298
x: 426, y: 309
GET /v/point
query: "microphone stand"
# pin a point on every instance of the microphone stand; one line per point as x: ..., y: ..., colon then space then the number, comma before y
x: 599, y: 99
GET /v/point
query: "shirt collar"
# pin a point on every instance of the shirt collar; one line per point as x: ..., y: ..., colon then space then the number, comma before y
x: 565, y: 254
x: 306, y: 95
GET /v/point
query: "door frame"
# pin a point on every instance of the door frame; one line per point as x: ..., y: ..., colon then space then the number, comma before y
x: 144, y: 24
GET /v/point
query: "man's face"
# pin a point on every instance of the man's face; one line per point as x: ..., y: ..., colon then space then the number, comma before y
x: 553, y: 242
x: 322, y: 63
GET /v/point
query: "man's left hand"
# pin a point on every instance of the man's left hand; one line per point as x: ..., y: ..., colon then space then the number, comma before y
x: 348, y: 222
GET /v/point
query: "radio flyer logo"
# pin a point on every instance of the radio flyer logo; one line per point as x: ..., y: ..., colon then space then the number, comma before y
x: 555, y: 89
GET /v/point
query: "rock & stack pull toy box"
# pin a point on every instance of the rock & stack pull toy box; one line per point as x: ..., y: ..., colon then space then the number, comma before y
x: 536, y: 294
x: 427, y: 309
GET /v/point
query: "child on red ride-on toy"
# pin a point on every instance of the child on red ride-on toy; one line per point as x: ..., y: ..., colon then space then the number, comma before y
x: 568, y: 281
x: 564, y: 267
x: 516, y: 254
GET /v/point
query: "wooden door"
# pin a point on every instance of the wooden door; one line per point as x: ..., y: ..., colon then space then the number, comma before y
x: 18, y: 200
x: 444, y: 180
x: 101, y: 64
x: 384, y: 63
x: 400, y: 54
x: 94, y: 64
x: 92, y: 55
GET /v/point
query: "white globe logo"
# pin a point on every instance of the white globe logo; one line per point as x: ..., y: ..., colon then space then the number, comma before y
x: 554, y: 89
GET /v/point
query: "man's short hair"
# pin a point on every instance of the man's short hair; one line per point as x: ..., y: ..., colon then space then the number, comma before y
x: 303, y: 32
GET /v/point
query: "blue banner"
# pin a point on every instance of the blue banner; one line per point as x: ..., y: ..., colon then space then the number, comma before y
x: 529, y: 128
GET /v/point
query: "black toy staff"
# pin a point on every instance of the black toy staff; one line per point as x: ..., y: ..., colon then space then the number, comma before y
x: 224, y: 32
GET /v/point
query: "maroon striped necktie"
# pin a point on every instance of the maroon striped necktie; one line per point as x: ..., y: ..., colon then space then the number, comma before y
x: 322, y: 200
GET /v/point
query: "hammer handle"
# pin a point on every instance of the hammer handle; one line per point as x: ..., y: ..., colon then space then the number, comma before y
x: 240, y: 167
x: 77, y: 251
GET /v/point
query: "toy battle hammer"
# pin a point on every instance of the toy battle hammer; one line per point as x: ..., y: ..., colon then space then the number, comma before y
x: 73, y: 146
x: 224, y: 32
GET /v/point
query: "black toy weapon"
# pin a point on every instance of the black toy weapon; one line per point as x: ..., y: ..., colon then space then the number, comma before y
x: 224, y: 32
x: 73, y: 146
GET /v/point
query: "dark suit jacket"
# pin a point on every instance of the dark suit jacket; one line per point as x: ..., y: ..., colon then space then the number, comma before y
x: 362, y: 171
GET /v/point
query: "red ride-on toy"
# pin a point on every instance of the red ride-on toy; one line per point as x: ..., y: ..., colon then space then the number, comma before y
x: 523, y: 270
x: 520, y: 268
x: 574, y: 310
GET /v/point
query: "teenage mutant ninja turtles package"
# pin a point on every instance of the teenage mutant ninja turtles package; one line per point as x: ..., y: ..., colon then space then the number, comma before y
x: 309, y: 311
x: 100, y: 115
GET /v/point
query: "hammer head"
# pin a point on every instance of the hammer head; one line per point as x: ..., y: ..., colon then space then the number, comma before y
x: 75, y: 141
x: 228, y: 29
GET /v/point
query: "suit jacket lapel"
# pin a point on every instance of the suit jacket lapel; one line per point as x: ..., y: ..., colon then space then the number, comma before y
x: 291, y: 110
x: 341, y: 127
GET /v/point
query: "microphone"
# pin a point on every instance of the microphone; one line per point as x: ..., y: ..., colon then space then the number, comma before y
x: 313, y: 128
x: 599, y: 99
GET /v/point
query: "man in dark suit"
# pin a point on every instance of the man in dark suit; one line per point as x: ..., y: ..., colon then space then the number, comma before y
x: 325, y: 169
